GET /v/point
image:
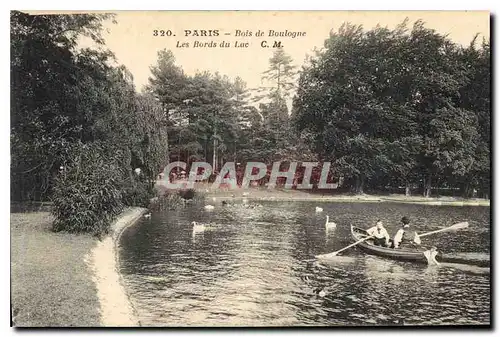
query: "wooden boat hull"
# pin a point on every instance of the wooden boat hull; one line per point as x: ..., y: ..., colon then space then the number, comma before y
x: 413, y: 255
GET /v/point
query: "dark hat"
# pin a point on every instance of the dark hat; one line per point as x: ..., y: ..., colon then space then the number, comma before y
x: 405, y: 220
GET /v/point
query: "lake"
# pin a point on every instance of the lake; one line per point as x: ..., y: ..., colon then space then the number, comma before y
x: 256, y: 267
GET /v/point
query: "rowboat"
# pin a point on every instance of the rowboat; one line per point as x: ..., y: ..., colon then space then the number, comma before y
x: 406, y: 254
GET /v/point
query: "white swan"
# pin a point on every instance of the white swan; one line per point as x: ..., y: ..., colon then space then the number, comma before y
x: 328, y: 224
x: 147, y: 216
x: 209, y: 207
x: 197, y: 226
x: 319, y: 209
x: 320, y: 292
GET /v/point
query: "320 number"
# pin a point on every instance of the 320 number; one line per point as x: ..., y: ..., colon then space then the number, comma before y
x: 162, y: 32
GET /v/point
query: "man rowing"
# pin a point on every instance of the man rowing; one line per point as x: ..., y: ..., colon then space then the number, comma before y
x: 381, y: 237
x: 406, y: 237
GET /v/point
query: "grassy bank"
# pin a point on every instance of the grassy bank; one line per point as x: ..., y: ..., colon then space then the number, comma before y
x: 51, y: 284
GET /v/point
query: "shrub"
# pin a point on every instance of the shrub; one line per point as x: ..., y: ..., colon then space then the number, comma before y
x: 177, y: 199
x: 187, y: 194
x: 137, y: 193
x: 169, y: 201
x: 87, y: 192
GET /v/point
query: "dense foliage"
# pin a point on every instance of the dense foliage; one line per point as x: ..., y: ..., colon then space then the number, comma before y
x: 399, y: 107
x: 216, y: 119
x: 69, y: 103
x: 389, y: 108
x: 87, y: 193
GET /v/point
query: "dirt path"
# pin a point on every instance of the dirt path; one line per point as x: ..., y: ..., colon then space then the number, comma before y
x: 262, y: 193
x: 116, y: 309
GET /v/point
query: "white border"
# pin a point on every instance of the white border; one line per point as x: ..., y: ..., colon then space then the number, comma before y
x: 256, y: 5
x: 191, y: 5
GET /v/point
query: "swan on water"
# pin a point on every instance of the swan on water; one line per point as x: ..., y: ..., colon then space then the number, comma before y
x: 197, y: 226
x: 320, y: 292
x: 147, y: 215
x: 209, y: 207
x: 329, y: 224
x: 319, y: 209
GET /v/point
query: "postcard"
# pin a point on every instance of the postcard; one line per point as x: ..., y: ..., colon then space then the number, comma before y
x: 250, y: 169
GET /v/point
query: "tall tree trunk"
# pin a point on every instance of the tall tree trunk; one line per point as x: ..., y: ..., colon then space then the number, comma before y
x: 428, y: 186
x: 467, y: 190
x: 214, y: 159
x: 360, y: 182
x: 407, y: 189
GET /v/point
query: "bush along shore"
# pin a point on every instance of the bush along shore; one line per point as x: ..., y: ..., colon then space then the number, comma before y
x: 64, y: 279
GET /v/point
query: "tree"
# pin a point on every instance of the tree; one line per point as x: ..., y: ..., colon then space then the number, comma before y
x: 271, y: 135
x: 393, y: 106
x: 447, y: 130
x: 168, y: 83
x: 71, y: 106
x: 337, y: 103
x: 46, y: 70
x: 280, y: 78
x: 206, y: 111
x: 475, y: 96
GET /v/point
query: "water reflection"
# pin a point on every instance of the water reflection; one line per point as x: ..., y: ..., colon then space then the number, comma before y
x: 255, y: 266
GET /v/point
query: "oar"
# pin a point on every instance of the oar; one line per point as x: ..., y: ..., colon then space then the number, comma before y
x: 431, y: 257
x: 341, y: 250
x: 455, y: 227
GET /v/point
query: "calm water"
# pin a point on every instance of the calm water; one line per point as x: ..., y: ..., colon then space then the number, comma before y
x: 256, y: 267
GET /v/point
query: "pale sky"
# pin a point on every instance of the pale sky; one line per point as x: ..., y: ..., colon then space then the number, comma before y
x: 134, y: 45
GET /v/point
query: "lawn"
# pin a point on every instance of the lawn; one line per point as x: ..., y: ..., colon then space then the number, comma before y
x: 51, y: 284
